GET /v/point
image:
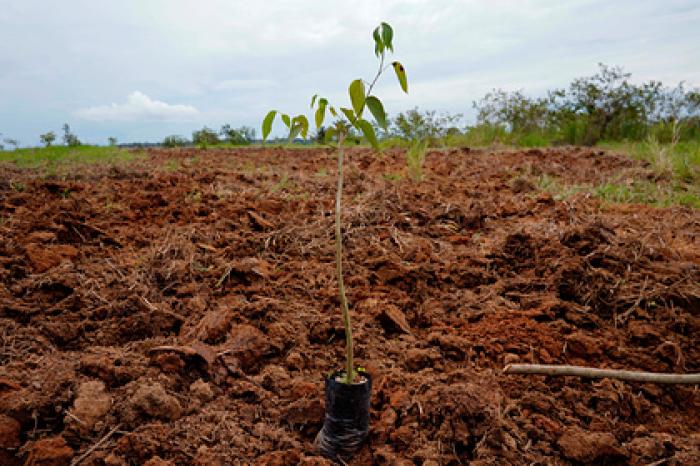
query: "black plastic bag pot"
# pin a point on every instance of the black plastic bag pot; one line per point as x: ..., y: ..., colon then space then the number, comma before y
x: 346, y: 425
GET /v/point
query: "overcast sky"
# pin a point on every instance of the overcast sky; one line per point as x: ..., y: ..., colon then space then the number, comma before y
x: 140, y: 70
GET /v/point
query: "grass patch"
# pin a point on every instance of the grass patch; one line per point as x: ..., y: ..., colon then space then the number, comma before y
x: 681, y: 161
x: 54, y: 159
x: 558, y: 189
x: 171, y: 165
x: 283, y: 184
x: 646, y: 192
x: 633, y: 192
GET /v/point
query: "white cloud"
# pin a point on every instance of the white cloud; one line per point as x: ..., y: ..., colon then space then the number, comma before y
x: 139, y: 106
x: 243, y: 84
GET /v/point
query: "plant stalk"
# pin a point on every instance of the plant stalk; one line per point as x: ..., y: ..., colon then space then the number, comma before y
x: 349, y: 365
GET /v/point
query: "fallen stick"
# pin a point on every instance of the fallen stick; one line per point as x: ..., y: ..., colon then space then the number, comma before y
x: 592, y: 373
x: 94, y: 447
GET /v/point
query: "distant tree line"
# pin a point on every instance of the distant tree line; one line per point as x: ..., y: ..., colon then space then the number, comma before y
x: 206, y: 137
x: 605, y: 106
x: 202, y: 138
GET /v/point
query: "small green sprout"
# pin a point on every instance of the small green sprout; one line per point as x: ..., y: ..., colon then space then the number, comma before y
x: 415, y: 158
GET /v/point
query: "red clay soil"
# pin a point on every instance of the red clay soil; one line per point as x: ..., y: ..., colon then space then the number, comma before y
x: 182, y: 310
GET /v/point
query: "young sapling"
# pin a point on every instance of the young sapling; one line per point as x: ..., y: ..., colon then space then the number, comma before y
x: 346, y: 429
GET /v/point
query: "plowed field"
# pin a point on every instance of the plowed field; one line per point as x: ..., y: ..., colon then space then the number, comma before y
x: 182, y: 309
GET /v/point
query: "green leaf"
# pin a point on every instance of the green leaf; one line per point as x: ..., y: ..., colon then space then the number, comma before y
x: 302, y: 121
x: 368, y: 131
x: 313, y: 100
x: 378, y: 44
x: 375, y: 106
x: 294, y: 132
x: 387, y: 36
x: 333, y: 112
x: 349, y: 114
x: 357, y: 96
x: 286, y: 120
x: 401, y: 74
x: 267, y: 123
x: 320, y: 115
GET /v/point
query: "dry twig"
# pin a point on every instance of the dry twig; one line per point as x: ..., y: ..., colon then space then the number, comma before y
x: 90, y: 450
x: 592, y: 373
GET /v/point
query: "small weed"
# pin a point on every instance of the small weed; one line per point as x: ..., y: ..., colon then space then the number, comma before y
x: 415, y: 158
x: 18, y: 186
x: 281, y: 185
x: 248, y: 168
x: 322, y: 173
x: 556, y: 188
x: 195, y: 196
x: 391, y: 176
x: 171, y: 165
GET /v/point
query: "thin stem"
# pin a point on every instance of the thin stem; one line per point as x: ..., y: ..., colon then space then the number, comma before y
x: 349, y: 366
x: 379, y: 73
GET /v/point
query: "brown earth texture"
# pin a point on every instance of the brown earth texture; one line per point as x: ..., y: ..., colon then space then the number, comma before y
x: 182, y: 309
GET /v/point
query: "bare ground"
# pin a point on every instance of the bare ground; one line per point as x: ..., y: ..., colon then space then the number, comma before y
x: 182, y: 310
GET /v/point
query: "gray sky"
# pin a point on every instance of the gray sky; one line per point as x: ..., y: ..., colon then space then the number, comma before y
x: 140, y: 70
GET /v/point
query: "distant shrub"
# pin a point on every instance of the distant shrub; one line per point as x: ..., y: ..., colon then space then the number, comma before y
x: 70, y: 139
x: 205, y: 137
x: 238, y: 137
x: 12, y: 142
x: 175, y: 141
x: 48, y: 138
x: 428, y: 125
x: 532, y: 140
x: 604, y: 106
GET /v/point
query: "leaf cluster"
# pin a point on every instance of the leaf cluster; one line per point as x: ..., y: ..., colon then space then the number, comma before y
x: 346, y: 118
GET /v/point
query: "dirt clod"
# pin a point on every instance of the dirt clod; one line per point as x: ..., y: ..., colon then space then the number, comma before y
x: 590, y: 447
x: 417, y: 358
x: 90, y: 406
x: 51, y: 451
x: 43, y: 257
x: 154, y: 401
x: 212, y: 327
x: 9, y: 432
x: 201, y: 390
x: 248, y: 345
x: 394, y: 320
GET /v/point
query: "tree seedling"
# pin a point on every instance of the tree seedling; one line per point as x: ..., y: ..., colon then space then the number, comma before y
x: 347, y: 396
x: 343, y: 120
